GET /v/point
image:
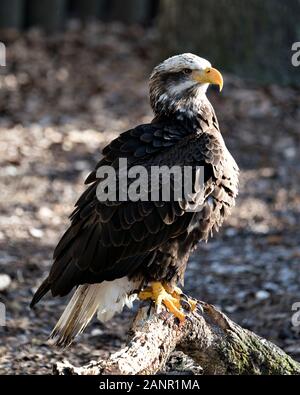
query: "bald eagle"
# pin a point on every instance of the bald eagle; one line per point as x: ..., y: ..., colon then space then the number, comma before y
x: 116, y: 251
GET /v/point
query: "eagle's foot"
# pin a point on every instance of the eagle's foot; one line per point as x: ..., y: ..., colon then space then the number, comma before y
x: 158, y: 293
x: 186, y: 302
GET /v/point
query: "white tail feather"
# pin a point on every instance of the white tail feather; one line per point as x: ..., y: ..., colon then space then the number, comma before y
x: 108, y: 298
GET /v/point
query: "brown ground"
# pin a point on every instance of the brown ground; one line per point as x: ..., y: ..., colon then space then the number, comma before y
x: 61, y: 100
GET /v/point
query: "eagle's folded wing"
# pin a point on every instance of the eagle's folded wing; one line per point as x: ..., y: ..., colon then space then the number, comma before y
x: 108, y: 240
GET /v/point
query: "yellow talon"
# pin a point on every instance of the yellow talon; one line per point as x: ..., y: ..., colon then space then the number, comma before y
x: 174, y: 291
x: 193, y: 304
x: 177, y: 293
x: 144, y: 295
x: 159, y: 295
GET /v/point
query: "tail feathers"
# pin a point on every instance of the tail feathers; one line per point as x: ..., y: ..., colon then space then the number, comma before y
x: 108, y: 297
x: 42, y: 290
x: 78, y: 313
x: 114, y: 295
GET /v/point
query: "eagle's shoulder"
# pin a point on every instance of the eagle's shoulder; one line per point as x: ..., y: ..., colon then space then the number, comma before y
x: 140, y: 143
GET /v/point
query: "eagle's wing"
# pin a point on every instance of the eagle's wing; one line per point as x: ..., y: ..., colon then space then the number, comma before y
x: 108, y: 240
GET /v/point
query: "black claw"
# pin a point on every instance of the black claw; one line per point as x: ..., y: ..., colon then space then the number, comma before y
x: 199, y: 309
x: 185, y: 304
x: 184, y: 297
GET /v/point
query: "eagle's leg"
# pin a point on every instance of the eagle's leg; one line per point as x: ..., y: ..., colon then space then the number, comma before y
x: 178, y: 294
x: 159, y: 295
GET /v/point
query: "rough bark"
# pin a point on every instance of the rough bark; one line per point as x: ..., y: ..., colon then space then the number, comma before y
x: 89, y: 9
x: 252, y: 38
x: 216, y: 343
x: 130, y: 11
x: 49, y: 15
x: 11, y: 14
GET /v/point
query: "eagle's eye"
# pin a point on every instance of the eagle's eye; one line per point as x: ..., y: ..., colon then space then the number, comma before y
x: 187, y: 71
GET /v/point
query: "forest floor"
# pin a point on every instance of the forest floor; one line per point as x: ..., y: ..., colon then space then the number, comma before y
x: 61, y: 100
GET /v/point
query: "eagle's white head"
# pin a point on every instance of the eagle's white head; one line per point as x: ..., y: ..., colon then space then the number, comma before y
x: 180, y: 79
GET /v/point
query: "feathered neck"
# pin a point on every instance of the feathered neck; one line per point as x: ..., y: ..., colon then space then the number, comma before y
x: 192, y: 108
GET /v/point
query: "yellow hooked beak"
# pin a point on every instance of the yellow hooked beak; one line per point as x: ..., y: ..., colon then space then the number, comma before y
x: 209, y: 76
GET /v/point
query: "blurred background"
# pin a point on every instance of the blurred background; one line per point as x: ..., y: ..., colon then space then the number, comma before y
x: 75, y: 77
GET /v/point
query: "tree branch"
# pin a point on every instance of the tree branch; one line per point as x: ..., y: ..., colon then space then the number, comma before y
x: 207, y: 335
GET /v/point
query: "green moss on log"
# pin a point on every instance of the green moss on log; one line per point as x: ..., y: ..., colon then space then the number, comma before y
x: 246, y: 353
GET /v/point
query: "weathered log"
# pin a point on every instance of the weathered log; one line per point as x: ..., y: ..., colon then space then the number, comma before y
x: 216, y: 343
